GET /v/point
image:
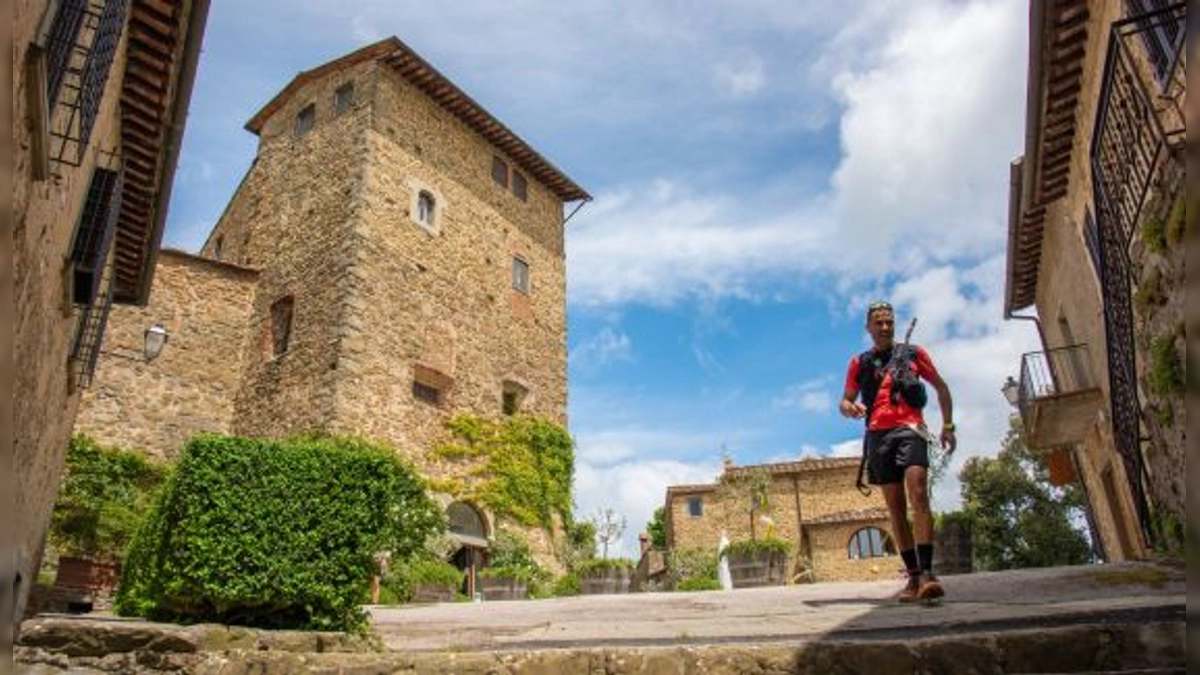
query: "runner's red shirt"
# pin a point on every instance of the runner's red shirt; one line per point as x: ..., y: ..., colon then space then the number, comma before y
x: 885, y: 414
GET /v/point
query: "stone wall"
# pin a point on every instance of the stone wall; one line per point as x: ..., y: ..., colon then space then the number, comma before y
x: 291, y: 218
x: 801, y: 492
x: 45, y: 213
x: 156, y: 407
x: 1070, y: 303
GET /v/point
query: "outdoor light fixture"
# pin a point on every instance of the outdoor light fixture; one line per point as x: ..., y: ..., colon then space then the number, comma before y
x: 1011, y: 391
x: 156, y: 339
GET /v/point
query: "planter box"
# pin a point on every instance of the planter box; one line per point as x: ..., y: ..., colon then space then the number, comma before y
x: 87, y: 574
x: 752, y: 570
x: 423, y: 592
x: 606, y: 581
x: 502, y: 588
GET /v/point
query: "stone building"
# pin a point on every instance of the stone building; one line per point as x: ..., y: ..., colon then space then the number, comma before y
x: 836, y: 533
x: 1096, y: 223
x: 393, y: 257
x: 100, y: 94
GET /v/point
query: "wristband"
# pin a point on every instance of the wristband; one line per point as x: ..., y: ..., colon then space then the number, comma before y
x: 948, y: 426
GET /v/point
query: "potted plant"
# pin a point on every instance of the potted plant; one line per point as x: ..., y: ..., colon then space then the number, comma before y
x: 104, y: 493
x: 758, y: 562
x: 434, y: 580
x: 604, y: 576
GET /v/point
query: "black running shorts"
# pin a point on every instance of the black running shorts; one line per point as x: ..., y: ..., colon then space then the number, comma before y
x: 891, y: 451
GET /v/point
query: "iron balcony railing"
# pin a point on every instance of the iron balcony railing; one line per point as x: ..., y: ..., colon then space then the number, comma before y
x: 1059, y: 396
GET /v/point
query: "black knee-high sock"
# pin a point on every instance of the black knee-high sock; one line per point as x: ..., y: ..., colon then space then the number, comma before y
x: 909, y: 557
x: 925, y: 555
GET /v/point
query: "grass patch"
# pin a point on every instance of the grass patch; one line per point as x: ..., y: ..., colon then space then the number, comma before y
x: 1137, y: 576
x: 1166, y: 370
x: 1176, y: 223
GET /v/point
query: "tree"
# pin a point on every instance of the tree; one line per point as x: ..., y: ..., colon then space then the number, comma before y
x: 657, y: 528
x: 750, y: 488
x: 609, y: 525
x: 1017, y: 518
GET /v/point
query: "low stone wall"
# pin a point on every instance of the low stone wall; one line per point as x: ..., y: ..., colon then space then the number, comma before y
x: 50, y: 646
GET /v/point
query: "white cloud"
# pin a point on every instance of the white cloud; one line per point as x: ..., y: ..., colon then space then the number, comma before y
x: 605, y: 347
x: 634, y: 490
x: 744, y: 78
x: 813, y: 396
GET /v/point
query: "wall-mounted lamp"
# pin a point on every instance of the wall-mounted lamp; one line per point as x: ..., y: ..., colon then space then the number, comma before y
x: 154, y: 339
x: 1011, y: 391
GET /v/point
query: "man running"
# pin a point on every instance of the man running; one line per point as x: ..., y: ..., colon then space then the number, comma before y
x: 896, y: 444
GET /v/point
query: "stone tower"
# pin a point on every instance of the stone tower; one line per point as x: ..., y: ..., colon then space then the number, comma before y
x: 411, y: 257
x: 392, y: 258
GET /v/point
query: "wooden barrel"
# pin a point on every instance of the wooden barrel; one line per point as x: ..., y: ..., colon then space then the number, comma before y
x: 502, y: 588
x: 752, y: 570
x: 606, y: 581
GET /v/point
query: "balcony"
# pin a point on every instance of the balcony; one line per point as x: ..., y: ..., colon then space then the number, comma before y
x: 1058, y: 396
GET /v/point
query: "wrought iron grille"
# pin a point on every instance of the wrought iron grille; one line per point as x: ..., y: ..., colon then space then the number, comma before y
x: 1135, y: 136
x: 60, y: 43
x: 94, y: 234
x: 1135, y: 131
x: 81, y: 74
x: 89, y: 335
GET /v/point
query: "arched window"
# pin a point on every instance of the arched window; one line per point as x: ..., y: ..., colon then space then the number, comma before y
x: 426, y: 208
x: 465, y: 520
x: 870, y: 542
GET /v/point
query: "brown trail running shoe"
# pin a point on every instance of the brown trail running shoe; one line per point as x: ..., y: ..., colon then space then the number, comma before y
x: 928, y: 587
x: 910, y: 590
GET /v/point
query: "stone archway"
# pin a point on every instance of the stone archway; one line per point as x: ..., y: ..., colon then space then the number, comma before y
x: 469, y: 530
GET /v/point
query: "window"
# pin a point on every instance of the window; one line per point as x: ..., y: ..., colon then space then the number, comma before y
x: 343, y: 98
x: 281, y: 324
x: 94, y: 234
x: 870, y: 542
x: 520, y: 187
x: 306, y: 119
x: 219, y: 246
x: 426, y: 207
x: 1091, y: 237
x: 512, y: 396
x: 520, y: 275
x: 695, y: 507
x: 499, y: 172
x: 426, y: 393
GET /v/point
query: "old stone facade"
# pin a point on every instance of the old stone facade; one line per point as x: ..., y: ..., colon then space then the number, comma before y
x: 393, y: 257
x: 97, y: 122
x: 812, y: 503
x: 208, y: 347
x: 1077, y: 257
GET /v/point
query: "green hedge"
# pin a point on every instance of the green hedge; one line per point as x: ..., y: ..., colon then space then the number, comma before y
x: 587, y: 567
x: 274, y: 533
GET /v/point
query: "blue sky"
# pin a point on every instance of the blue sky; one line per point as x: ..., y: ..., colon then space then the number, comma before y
x: 761, y: 170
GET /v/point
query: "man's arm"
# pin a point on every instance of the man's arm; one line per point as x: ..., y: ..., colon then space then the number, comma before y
x: 848, y: 406
x: 946, y: 403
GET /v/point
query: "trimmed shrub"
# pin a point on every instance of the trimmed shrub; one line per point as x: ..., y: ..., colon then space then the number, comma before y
x: 600, y: 565
x: 276, y: 534
x: 403, y: 576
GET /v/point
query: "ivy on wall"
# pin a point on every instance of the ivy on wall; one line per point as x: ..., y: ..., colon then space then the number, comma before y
x: 523, y: 467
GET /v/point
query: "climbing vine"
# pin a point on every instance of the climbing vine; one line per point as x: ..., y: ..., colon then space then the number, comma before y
x: 523, y: 467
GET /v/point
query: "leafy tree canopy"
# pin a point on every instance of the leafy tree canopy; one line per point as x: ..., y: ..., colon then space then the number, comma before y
x: 1017, y: 518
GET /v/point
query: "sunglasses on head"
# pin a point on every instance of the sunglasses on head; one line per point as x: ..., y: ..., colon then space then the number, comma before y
x: 878, y: 305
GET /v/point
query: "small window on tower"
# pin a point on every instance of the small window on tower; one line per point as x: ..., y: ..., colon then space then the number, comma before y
x: 343, y: 98
x: 512, y: 396
x: 426, y: 208
x: 306, y: 119
x: 281, y: 324
x: 520, y: 275
x: 520, y: 186
x: 500, y: 172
